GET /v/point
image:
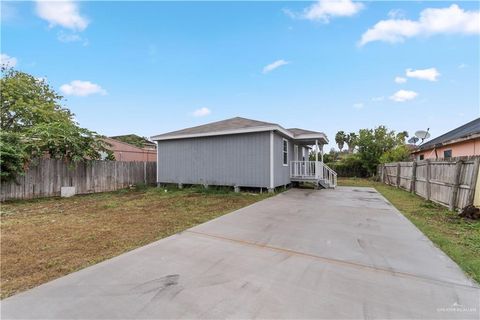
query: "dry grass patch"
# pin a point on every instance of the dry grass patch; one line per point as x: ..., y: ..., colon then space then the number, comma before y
x: 47, y: 238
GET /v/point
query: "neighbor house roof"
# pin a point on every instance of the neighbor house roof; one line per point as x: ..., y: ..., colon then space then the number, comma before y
x: 465, y: 132
x: 133, y: 137
x: 238, y: 125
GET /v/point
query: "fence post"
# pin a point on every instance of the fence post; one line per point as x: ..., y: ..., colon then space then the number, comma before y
x: 471, y: 195
x: 145, y: 172
x: 414, y: 177
x: 427, y: 180
x: 456, y: 183
x: 398, y: 175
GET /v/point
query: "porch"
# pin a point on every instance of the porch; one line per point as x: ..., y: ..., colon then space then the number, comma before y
x: 313, y: 171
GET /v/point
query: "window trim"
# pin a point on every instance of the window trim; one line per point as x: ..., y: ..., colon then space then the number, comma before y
x: 451, y: 154
x: 284, y: 152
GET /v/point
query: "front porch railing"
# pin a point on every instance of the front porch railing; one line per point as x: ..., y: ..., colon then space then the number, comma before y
x: 313, y: 170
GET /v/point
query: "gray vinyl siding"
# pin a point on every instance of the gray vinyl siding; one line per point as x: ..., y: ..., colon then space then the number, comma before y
x: 240, y: 159
x: 281, y: 172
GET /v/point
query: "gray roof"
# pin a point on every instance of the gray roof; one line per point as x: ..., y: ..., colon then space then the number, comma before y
x: 298, y: 131
x: 236, y: 123
x: 462, y: 132
x: 229, y: 125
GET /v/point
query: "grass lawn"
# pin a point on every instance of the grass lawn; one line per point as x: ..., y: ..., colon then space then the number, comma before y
x: 457, y: 237
x: 47, y: 238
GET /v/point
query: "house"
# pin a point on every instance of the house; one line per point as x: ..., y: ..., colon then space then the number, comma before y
x: 241, y: 152
x: 127, y: 152
x: 136, y: 140
x: 460, y: 142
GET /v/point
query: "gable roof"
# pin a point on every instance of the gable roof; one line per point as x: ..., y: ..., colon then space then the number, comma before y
x: 234, y: 126
x: 463, y: 132
x: 236, y: 123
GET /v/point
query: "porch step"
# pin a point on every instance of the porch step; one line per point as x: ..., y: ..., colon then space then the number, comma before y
x: 324, y: 184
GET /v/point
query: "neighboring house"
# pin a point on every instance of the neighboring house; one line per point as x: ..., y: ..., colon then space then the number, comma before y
x: 128, y: 152
x: 137, y: 141
x: 241, y: 152
x: 460, y: 142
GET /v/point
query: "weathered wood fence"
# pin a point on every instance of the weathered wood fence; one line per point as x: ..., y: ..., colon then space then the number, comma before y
x: 448, y: 182
x: 46, y: 178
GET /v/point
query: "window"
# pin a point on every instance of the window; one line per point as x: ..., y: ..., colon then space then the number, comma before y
x: 421, y: 157
x: 285, y: 152
x: 303, y: 153
x: 447, y: 154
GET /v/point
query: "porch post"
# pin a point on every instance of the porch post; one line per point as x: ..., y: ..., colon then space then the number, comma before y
x: 321, y: 153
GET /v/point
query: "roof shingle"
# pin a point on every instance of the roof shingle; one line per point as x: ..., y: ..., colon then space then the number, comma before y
x: 468, y: 129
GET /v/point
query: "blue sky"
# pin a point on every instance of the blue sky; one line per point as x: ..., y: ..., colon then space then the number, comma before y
x: 153, y: 67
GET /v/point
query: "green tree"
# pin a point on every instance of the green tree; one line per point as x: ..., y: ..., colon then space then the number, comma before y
x: 340, y: 139
x: 351, y: 141
x: 34, y: 124
x: 399, y: 153
x: 372, y: 144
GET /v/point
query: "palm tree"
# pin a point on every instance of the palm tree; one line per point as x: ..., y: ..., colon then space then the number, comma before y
x: 340, y: 139
x: 351, y: 141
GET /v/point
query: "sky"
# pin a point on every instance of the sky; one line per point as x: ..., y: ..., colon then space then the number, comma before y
x: 153, y: 67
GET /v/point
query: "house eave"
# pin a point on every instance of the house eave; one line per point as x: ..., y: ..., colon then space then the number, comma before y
x: 285, y: 132
x: 447, y: 143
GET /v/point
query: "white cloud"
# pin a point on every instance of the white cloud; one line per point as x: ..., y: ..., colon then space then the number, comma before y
x: 6, y: 60
x: 201, y: 112
x: 403, y: 95
x: 325, y: 10
x: 82, y: 88
x: 358, y: 105
x: 432, y: 21
x: 462, y: 66
x: 396, y: 14
x: 274, y: 65
x: 377, y: 99
x: 400, y: 79
x: 64, y: 13
x: 430, y: 74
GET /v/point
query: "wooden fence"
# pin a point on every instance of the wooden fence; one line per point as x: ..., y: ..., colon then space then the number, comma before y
x: 46, y: 178
x: 448, y: 182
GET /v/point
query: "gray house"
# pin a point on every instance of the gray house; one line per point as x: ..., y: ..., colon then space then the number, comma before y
x: 241, y: 152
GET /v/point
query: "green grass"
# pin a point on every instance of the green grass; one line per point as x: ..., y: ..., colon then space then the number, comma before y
x: 459, y: 238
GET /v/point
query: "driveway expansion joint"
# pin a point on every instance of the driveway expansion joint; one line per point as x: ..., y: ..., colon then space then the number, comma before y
x: 332, y: 260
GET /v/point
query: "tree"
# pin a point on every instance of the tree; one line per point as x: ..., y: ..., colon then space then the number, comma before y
x: 372, y: 144
x: 340, y: 139
x: 351, y: 141
x: 34, y: 124
x: 399, y: 153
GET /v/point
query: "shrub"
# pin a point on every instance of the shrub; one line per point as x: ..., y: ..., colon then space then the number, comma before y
x: 350, y: 166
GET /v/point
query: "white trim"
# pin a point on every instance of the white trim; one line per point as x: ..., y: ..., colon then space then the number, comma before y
x: 295, y: 152
x: 283, y: 152
x: 271, y: 160
x: 244, y: 130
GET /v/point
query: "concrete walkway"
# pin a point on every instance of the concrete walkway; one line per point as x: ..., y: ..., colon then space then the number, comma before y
x: 344, y: 253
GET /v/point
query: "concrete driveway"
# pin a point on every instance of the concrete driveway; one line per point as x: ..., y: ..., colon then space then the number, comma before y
x: 344, y: 253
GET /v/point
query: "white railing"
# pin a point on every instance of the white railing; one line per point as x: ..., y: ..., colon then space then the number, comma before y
x: 328, y: 174
x: 314, y: 170
x: 303, y: 169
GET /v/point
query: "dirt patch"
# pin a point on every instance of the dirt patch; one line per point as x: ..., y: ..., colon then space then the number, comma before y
x: 44, y: 239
